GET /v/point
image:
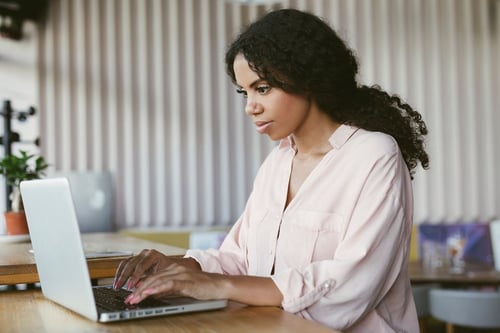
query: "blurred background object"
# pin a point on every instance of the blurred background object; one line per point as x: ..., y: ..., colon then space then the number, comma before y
x: 13, y: 14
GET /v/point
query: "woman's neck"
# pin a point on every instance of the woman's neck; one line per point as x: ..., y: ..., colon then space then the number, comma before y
x: 314, y: 142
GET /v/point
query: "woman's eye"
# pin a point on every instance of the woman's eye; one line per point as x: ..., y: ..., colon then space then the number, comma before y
x: 243, y: 92
x: 263, y: 89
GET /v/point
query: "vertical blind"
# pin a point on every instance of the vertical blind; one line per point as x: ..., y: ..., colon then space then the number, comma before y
x: 138, y: 87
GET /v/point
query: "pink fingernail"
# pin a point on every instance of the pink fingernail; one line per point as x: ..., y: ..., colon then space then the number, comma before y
x: 135, y: 300
x: 129, y: 298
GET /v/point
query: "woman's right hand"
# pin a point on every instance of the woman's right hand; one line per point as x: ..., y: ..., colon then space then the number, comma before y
x: 133, y: 270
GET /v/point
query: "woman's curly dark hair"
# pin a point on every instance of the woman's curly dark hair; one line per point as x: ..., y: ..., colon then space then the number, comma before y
x: 301, y: 54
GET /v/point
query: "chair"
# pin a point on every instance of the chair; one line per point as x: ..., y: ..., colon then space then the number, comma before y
x: 421, y: 298
x: 93, y: 196
x: 468, y: 308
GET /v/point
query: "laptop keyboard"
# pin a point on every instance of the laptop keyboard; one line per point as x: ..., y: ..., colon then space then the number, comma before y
x: 110, y: 299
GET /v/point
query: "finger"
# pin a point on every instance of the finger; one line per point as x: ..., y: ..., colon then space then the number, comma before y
x: 126, y: 269
x: 172, y: 272
x: 169, y: 281
x: 120, y: 276
x: 133, y: 269
x: 149, y: 262
x: 156, y: 287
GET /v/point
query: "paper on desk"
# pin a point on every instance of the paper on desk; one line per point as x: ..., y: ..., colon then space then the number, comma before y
x: 107, y: 254
x: 103, y: 254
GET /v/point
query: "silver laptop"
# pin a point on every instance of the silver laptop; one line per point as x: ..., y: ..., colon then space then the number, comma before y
x: 62, y: 267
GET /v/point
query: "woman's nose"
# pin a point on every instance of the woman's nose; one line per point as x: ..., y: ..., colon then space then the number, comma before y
x: 252, y: 108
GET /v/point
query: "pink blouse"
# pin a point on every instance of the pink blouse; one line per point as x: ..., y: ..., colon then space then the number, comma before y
x: 339, y: 251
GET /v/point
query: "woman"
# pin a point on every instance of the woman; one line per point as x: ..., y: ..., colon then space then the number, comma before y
x: 326, y: 230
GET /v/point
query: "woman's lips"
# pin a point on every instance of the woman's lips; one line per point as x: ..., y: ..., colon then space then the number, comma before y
x: 262, y: 126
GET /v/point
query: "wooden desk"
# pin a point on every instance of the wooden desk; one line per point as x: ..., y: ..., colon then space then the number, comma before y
x: 474, y: 276
x: 28, y: 311
x: 17, y: 264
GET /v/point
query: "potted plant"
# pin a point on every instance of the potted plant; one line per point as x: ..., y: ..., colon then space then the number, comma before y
x: 17, y: 168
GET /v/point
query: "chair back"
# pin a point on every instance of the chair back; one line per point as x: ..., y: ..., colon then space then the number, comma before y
x: 478, y: 309
x: 421, y: 297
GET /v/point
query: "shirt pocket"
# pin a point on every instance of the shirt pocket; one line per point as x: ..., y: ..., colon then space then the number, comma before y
x: 310, y: 236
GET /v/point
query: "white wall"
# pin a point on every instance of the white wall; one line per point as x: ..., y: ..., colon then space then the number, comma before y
x: 138, y: 88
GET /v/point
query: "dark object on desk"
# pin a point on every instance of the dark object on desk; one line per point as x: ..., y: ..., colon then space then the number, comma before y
x: 477, y: 309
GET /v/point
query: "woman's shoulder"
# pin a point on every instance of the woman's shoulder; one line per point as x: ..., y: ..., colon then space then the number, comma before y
x: 377, y: 142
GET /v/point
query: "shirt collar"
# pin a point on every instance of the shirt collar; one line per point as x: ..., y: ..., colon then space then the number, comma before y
x: 340, y: 136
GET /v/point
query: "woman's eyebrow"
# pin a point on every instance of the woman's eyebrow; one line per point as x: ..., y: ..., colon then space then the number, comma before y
x: 252, y: 85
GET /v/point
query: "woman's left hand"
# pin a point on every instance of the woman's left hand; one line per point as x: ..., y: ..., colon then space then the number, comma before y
x: 176, y: 279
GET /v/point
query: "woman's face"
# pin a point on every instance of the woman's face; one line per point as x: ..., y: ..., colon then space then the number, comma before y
x: 273, y: 111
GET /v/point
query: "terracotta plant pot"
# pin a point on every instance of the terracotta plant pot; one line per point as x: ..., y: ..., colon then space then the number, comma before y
x: 15, y: 223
